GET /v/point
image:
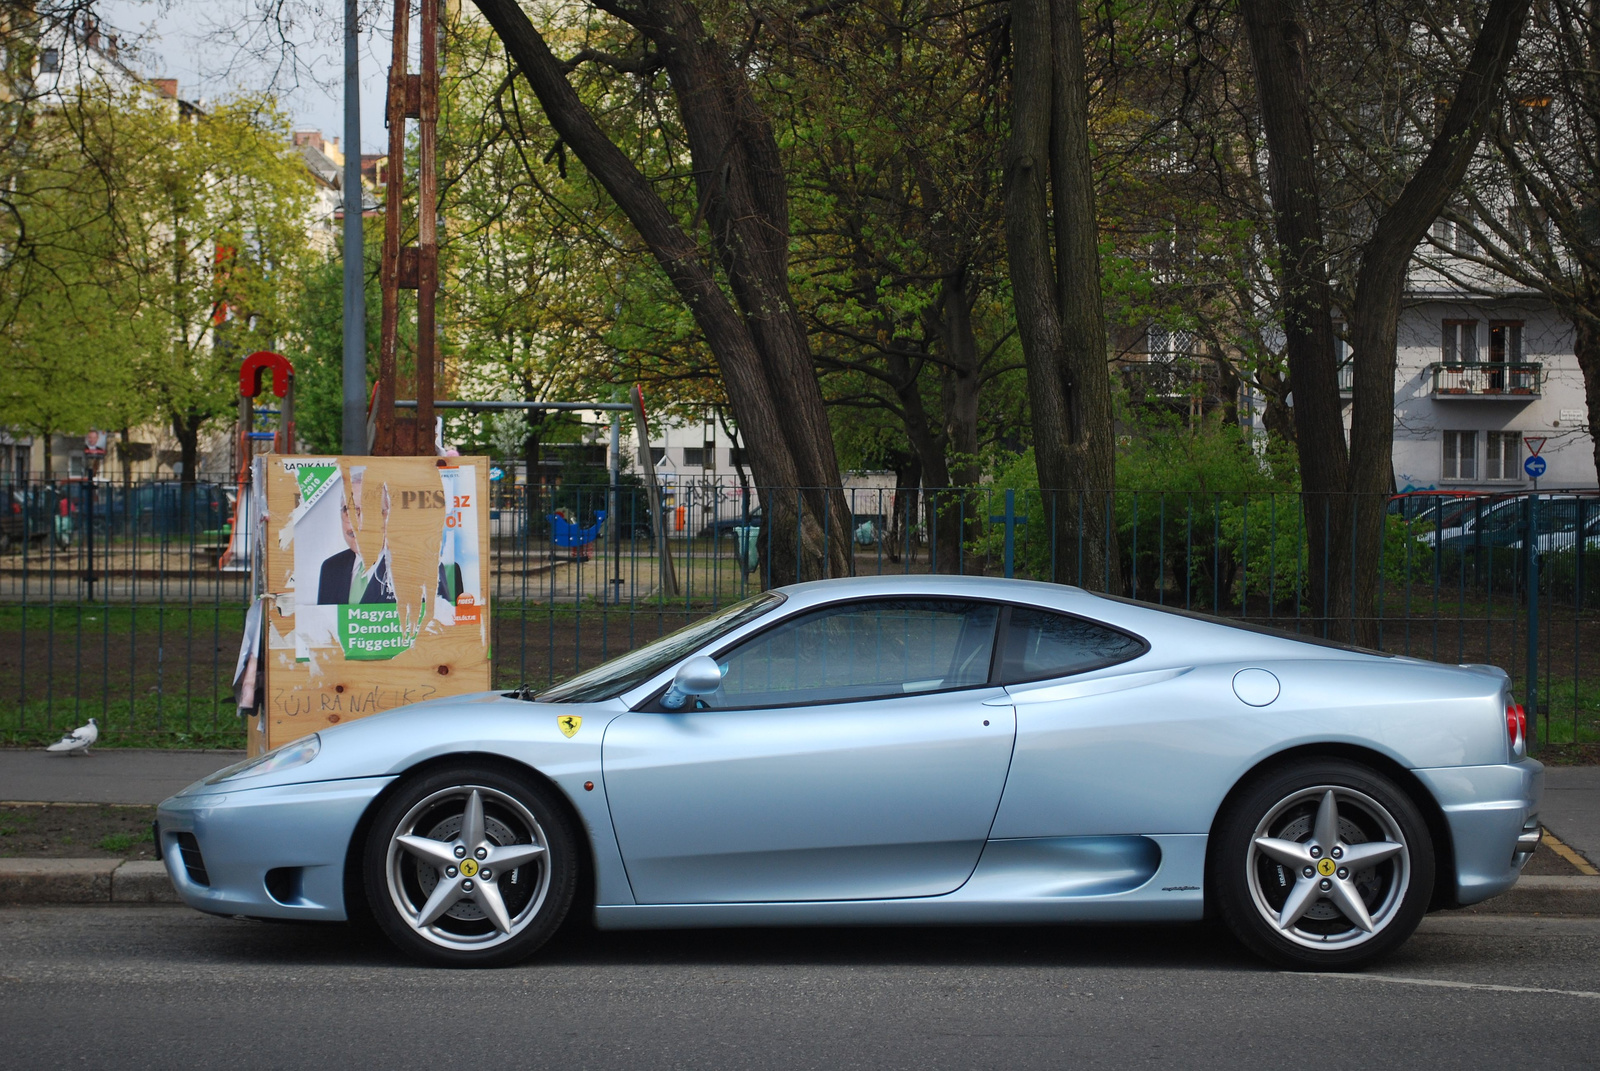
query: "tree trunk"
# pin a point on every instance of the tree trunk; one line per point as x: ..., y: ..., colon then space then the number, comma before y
x: 1277, y: 51
x: 1586, y: 348
x: 959, y: 399
x: 49, y: 457
x: 127, y: 462
x: 761, y: 347
x: 907, y: 480
x: 532, y: 443
x: 186, y: 428
x: 1049, y: 193
x: 1380, y: 282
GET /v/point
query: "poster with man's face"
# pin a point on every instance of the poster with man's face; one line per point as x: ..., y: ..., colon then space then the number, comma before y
x: 350, y: 588
x: 374, y: 571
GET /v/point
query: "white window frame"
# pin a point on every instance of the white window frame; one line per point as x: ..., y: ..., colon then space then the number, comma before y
x: 1458, y: 342
x: 1454, y: 460
x: 1513, y: 336
x: 1495, y: 457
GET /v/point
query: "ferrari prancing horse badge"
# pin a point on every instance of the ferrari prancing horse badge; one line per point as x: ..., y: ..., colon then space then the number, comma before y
x: 568, y: 723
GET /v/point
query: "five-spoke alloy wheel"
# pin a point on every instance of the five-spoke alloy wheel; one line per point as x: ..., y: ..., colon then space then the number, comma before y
x: 470, y: 867
x: 1324, y: 865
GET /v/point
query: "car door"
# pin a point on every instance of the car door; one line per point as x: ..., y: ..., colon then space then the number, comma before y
x: 848, y: 755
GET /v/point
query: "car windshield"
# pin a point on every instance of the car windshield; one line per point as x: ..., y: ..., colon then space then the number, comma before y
x: 611, y: 679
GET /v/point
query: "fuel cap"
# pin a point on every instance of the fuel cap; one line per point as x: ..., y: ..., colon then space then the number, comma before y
x: 1256, y: 687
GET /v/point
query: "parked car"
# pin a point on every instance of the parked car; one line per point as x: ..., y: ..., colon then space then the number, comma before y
x: 724, y: 525
x: 34, y: 513
x: 167, y: 508
x: 1503, y: 522
x: 897, y: 750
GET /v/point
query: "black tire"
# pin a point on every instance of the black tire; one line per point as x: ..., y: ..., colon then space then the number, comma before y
x: 518, y: 817
x: 1292, y: 902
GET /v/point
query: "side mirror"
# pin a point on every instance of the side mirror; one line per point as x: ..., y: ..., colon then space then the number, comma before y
x: 698, y: 676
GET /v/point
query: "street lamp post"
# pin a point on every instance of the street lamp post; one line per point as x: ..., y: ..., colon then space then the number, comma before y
x: 355, y: 293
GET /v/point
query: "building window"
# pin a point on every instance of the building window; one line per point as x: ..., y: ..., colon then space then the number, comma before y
x: 1454, y: 237
x: 694, y: 457
x: 1536, y: 122
x: 1460, y: 455
x: 1502, y: 455
x: 658, y: 454
x: 1459, y: 342
x: 1341, y: 354
x: 49, y: 60
x: 736, y: 457
x: 1164, y: 345
x: 1505, y: 341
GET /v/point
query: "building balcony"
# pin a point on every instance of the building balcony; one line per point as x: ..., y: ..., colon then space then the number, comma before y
x: 1485, y: 380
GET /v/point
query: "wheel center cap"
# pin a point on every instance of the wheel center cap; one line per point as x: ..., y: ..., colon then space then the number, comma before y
x: 1325, y: 867
x: 469, y: 868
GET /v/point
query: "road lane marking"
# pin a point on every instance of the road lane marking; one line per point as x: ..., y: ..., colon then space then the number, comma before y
x: 1441, y: 983
x: 1555, y: 844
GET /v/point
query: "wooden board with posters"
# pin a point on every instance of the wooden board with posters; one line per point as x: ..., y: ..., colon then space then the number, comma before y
x: 376, y: 573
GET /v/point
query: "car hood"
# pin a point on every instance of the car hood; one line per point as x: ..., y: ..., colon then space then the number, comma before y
x: 388, y: 743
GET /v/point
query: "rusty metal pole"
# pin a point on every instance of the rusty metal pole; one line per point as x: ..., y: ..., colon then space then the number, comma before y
x: 397, y: 108
x: 427, y: 224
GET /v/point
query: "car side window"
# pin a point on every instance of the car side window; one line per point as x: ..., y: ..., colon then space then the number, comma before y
x: 865, y: 650
x: 1039, y: 645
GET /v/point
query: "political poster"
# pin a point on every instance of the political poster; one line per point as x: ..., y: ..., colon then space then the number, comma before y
x: 374, y: 587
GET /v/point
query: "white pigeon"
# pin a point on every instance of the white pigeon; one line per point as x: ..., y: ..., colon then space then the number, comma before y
x: 77, y: 742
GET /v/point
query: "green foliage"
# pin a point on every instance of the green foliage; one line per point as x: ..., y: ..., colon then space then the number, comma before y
x: 154, y: 247
x: 1206, y: 514
x: 317, y: 350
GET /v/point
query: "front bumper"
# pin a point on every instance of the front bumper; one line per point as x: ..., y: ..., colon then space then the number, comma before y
x: 274, y: 852
x: 1488, y: 809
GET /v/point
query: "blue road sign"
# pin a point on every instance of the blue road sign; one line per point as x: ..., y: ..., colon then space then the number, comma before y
x: 1534, y: 466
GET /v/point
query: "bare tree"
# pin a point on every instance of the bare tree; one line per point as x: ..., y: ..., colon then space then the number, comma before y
x: 1529, y: 212
x: 1404, y: 191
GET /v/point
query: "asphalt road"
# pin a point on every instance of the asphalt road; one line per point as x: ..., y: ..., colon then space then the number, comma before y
x: 163, y: 987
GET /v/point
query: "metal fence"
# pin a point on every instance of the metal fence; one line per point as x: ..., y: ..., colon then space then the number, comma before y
x: 116, y: 605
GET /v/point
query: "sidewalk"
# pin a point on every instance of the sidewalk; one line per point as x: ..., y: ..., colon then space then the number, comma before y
x: 107, y: 775
x: 1571, y: 808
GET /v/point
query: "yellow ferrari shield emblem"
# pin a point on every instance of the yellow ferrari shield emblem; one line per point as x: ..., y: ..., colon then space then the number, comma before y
x: 468, y: 868
x: 1326, y: 867
x: 569, y: 723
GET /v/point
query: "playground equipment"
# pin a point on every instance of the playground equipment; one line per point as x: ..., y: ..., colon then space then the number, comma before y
x: 252, y: 372
x: 565, y: 533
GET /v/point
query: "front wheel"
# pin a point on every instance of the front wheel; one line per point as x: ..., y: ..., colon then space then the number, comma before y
x: 1323, y: 865
x: 470, y: 867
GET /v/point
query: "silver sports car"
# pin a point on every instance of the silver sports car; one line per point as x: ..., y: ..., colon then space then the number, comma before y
x: 898, y: 750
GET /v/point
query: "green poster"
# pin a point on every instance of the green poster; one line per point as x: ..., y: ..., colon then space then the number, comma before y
x: 312, y: 479
x: 372, y: 632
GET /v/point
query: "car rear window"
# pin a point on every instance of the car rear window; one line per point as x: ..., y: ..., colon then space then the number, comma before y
x: 1040, y: 644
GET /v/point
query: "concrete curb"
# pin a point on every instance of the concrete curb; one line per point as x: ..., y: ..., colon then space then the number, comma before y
x: 85, y: 881
x: 1536, y: 895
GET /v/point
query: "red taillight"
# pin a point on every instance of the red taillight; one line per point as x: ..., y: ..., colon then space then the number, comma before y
x: 1516, y: 724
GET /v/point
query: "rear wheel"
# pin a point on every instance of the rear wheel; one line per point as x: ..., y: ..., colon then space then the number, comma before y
x: 470, y: 867
x: 1323, y: 865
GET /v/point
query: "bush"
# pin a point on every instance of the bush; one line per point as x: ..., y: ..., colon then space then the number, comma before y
x: 1208, y: 515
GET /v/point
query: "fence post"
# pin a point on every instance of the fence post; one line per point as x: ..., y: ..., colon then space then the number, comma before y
x: 1011, y: 520
x: 1530, y: 545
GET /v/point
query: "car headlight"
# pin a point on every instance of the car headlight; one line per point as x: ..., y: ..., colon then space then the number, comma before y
x: 286, y: 757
